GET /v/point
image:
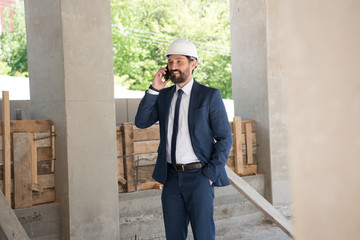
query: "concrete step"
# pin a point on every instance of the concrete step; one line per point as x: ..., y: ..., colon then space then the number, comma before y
x: 235, y: 217
x: 41, y: 222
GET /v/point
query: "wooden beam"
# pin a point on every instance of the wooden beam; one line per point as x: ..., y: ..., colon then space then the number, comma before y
x: 150, y: 146
x: 149, y: 133
x: 261, y: 203
x: 9, y: 223
x: 34, y: 173
x: 128, y: 148
x: 237, y: 145
x: 22, y: 169
x: 243, y: 123
x: 249, y: 151
x: 6, y: 145
x: 38, y: 126
x: 53, y: 148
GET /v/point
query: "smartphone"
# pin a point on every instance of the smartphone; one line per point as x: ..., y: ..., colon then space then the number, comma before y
x: 167, y: 75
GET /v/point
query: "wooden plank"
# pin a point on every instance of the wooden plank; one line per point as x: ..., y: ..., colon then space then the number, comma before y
x: 38, y: 126
x: 46, y: 196
x: 22, y: 169
x: 6, y: 152
x: 43, y: 139
x: 2, y: 185
x: 149, y: 133
x: 249, y: 151
x: 47, y: 180
x: 53, y: 156
x: 44, y: 153
x: 261, y: 203
x: 150, y: 185
x: 247, y: 170
x: 121, y: 180
x: 144, y: 178
x: 128, y: 147
x: 146, y: 146
x: 243, y: 125
x: 120, y: 153
x: 122, y: 183
x: 34, y: 174
x: 237, y: 145
x: 9, y: 223
x: 44, y: 182
x: 44, y: 167
x: 145, y: 159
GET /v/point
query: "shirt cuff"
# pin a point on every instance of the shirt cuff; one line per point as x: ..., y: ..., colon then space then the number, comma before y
x: 152, y: 92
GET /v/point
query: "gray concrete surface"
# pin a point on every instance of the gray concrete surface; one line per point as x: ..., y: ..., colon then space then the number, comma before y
x: 71, y: 82
x: 140, y: 214
x: 40, y: 222
x: 235, y: 217
x: 258, y: 91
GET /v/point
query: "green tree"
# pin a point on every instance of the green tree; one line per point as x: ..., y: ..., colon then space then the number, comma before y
x: 142, y: 30
x: 13, y: 41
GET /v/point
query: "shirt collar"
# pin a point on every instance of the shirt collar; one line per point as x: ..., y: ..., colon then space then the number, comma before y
x: 187, y: 87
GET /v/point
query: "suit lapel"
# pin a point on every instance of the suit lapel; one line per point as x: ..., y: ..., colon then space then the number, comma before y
x: 194, y: 103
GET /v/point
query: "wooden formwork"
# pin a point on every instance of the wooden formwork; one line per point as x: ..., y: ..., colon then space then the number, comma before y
x: 26, y: 160
x: 32, y: 163
x: 137, y: 153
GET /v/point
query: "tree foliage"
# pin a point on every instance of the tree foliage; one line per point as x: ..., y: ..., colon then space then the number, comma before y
x: 13, y: 41
x: 142, y: 30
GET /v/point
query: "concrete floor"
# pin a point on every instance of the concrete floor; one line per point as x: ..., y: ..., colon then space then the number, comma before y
x: 265, y: 231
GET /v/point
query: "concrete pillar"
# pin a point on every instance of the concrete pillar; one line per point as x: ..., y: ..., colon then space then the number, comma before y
x: 324, y: 114
x: 71, y: 83
x: 258, y: 90
x: 278, y: 119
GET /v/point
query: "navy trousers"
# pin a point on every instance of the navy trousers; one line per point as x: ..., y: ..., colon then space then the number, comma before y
x: 188, y: 196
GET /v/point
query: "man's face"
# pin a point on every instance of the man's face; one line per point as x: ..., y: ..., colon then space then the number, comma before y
x: 180, y: 68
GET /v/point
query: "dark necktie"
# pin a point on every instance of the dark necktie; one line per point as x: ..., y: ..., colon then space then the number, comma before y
x: 175, y: 128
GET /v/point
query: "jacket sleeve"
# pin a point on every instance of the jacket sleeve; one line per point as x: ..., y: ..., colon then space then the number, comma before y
x: 221, y: 131
x: 147, y: 113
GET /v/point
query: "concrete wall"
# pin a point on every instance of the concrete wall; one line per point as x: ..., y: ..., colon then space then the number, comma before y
x: 278, y: 122
x: 41, y: 222
x: 23, y: 105
x: 69, y: 47
x: 323, y: 90
x: 125, y: 109
x: 258, y: 90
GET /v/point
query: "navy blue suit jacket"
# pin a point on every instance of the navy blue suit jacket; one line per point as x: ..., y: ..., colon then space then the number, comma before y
x: 209, y: 129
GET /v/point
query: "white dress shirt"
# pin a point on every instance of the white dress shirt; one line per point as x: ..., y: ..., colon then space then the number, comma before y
x: 184, y: 152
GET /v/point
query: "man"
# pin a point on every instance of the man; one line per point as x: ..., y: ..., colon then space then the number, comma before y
x: 195, y: 140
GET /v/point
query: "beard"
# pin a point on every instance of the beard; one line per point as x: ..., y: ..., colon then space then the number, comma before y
x: 181, y: 78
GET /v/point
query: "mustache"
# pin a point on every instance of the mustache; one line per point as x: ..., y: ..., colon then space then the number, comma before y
x: 175, y: 70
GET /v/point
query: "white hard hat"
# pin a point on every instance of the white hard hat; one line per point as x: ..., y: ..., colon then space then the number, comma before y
x: 182, y: 46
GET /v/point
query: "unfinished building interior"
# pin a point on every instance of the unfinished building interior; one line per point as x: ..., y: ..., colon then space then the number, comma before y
x: 295, y: 79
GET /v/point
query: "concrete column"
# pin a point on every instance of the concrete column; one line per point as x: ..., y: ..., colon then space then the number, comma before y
x: 71, y: 83
x: 278, y: 122
x: 324, y: 115
x: 258, y: 90
x: 249, y: 82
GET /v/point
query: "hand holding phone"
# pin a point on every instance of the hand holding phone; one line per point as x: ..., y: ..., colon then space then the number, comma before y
x: 158, y: 82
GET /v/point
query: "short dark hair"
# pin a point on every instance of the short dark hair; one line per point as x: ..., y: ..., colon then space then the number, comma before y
x: 190, y: 59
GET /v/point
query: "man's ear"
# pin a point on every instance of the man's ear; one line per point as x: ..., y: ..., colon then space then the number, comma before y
x: 194, y: 64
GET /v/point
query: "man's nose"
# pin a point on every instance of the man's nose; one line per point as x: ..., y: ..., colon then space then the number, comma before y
x: 173, y: 66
